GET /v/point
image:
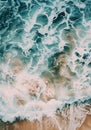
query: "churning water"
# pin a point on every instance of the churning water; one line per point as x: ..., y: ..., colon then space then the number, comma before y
x: 45, y: 58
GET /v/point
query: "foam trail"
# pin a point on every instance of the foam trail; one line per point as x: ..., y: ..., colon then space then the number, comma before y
x: 57, y: 123
x: 45, y: 58
x: 72, y: 125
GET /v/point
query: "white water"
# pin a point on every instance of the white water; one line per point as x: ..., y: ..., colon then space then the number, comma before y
x: 30, y: 36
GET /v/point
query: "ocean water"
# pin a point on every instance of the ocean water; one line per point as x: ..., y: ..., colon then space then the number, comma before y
x: 45, y: 56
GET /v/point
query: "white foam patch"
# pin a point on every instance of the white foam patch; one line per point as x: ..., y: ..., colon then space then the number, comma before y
x: 17, y: 97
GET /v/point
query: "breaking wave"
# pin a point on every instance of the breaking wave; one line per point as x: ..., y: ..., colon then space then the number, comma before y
x: 45, y: 56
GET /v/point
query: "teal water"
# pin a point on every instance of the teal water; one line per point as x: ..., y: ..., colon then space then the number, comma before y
x: 33, y: 34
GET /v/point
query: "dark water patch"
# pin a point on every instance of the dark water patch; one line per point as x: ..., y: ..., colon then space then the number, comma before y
x: 7, y: 13
x: 77, y: 54
x: 85, y: 56
x: 47, y: 2
x: 22, y: 7
x: 42, y: 19
x: 19, y: 32
x: 68, y: 10
x: 18, y: 22
x: 17, y: 2
x: 39, y: 34
x: 36, y: 35
x: 77, y: 60
x: 34, y: 9
x: 34, y: 54
x: 89, y: 65
x: 11, y: 2
x: 35, y: 60
x: 8, y: 46
x: 6, y: 16
x: 48, y: 10
x: 13, y: 34
x: 39, y: 40
x: 67, y: 48
x: 89, y: 45
x: 57, y: 20
x: 78, y: 23
x: 87, y: 11
x: 35, y: 28
x: 3, y: 27
x: 23, y: 10
x: 2, y: 49
x: 3, y: 0
x: 9, y: 20
x: 70, y: 3
x: 61, y: 26
x: 75, y: 13
x: 83, y: 0
x: 34, y: 50
x: 82, y: 63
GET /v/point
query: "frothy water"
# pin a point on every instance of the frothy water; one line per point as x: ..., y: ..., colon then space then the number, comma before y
x: 45, y: 57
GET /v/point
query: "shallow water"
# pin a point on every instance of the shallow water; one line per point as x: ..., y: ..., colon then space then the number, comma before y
x: 45, y: 57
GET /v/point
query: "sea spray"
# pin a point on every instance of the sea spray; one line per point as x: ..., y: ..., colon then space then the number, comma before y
x: 45, y: 60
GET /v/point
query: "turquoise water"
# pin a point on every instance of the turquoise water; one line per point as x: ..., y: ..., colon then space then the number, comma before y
x: 37, y: 32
